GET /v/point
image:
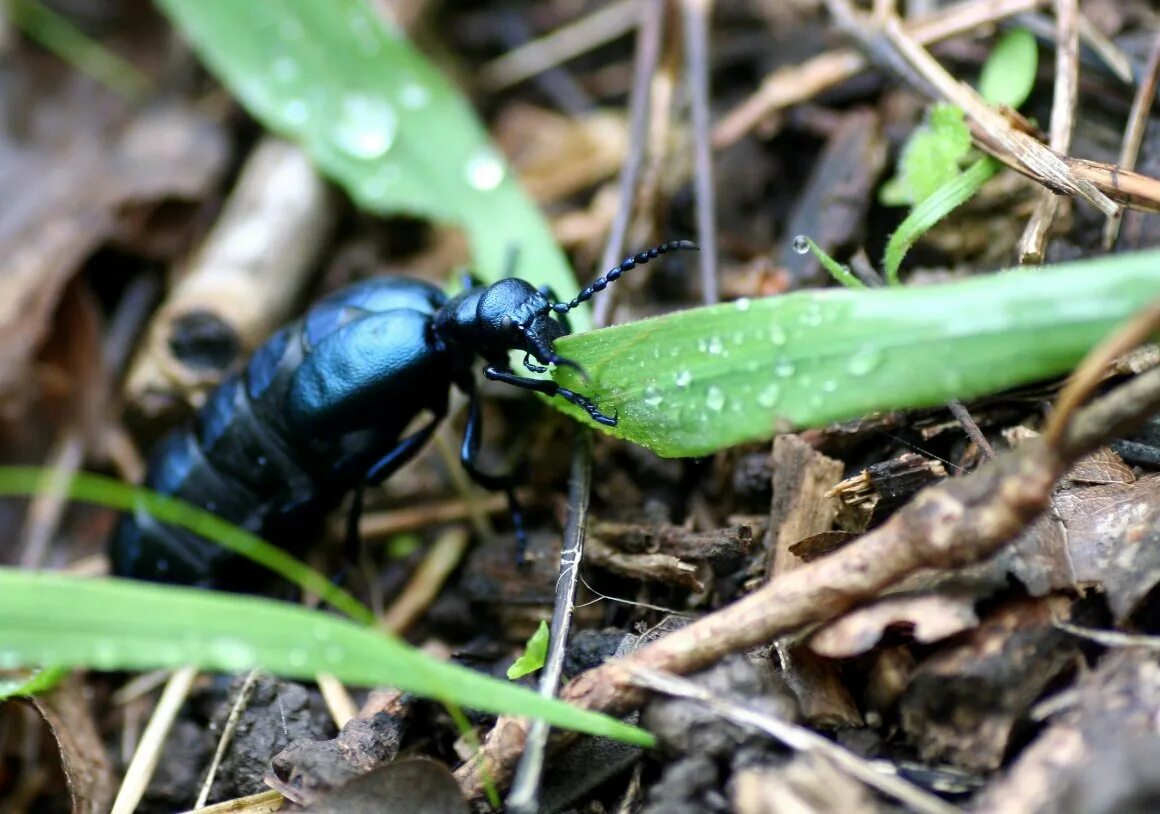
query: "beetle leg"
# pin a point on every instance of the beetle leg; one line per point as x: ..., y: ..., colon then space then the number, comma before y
x: 550, y: 388
x: 533, y: 367
x: 468, y: 455
x: 382, y: 469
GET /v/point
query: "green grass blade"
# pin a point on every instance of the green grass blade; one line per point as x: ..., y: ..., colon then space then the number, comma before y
x: 68, y: 42
x: 60, y: 621
x: 698, y: 381
x: 839, y: 272
x: 377, y: 117
x: 934, y: 208
x: 30, y: 480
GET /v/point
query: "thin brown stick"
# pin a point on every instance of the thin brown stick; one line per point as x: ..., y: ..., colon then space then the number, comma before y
x: 1091, y: 371
x: 566, y: 42
x: 992, y: 131
x: 971, y: 428
x: 374, y: 525
x: 799, y: 738
x: 799, y: 83
x: 1134, y: 134
x: 442, y: 558
x: 1033, y: 243
x: 647, y: 54
x: 695, y: 14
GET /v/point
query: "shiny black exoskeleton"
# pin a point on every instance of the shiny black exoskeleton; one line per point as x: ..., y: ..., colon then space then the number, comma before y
x: 320, y: 410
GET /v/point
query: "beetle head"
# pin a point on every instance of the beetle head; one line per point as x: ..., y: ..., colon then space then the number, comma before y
x: 512, y: 315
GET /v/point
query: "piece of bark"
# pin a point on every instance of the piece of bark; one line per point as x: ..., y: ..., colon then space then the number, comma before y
x: 306, y: 770
x: 807, y: 784
x: 415, y: 786
x: 1098, y: 756
x: 716, y: 545
x: 870, y: 496
x: 801, y: 478
x: 86, y: 765
x: 925, y: 617
x: 963, y: 703
x: 663, y: 568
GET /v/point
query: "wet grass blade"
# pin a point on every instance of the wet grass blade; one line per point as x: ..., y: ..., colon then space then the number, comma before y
x: 27, y: 481
x: 698, y: 381
x: 59, y: 621
x: 377, y: 117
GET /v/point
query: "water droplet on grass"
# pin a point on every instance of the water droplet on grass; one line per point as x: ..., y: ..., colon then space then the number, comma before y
x: 864, y: 360
x: 715, y: 398
x: 366, y: 126
x: 485, y: 170
x: 769, y: 395
x: 801, y: 244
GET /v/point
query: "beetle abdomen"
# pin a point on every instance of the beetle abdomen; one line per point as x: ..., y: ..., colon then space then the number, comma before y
x: 366, y: 358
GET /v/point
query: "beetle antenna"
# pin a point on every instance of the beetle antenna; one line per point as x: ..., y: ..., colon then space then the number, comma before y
x: 600, y: 283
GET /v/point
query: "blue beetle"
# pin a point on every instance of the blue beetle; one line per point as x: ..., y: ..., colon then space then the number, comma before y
x: 320, y: 410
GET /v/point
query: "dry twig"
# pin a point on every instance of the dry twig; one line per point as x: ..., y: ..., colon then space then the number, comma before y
x: 1033, y: 243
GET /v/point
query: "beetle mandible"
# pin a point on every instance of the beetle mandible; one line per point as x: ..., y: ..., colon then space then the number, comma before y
x: 320, y: 409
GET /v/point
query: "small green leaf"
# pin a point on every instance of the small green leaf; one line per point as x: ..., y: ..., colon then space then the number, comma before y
x: 534, y: 654
x: 931, y: 157
x: 698, y: 381
x: 1008, y: 75
x: 31, y: 682
x: 378, y: 118
x: 109, y: 624
x: 944, y: 200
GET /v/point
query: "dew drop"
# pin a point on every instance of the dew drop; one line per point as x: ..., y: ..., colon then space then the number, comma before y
x: 769, y: 395
x: 742, y: 304
x: 366, y: 126
x: 485, y: 170
x: 290, y: 29
x: 829, y: 386
x: 105, y: 653
x: 777, y: 335
x: 784, y: 368
x: 285, y: 69
x: 715, y: 399
x: 812, y: 316
x: 801, y: 244
x: 296, y: 112
x: 232, y: 654
x: 414, y: 96
x: 864, y: 360
x: 377, y: 187
x: 9, y: 660
x: 298, y: 657
x: 715, y: 346
x: 334, y: 654
x: 684, y: 378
